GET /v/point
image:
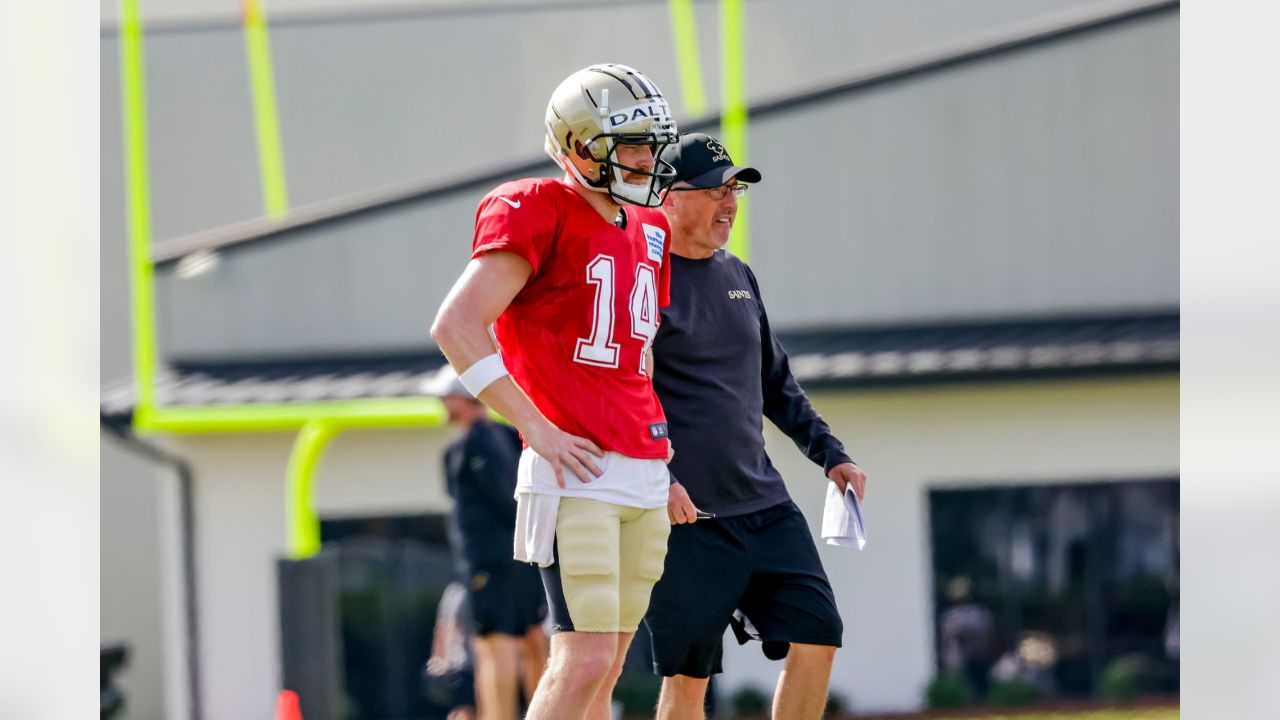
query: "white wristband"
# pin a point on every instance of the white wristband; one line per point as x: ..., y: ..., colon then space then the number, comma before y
x: 482, y: 374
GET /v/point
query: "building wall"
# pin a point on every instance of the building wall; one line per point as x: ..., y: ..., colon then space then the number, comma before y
x: 369, y: 98
x: 1035, y: 183
x: 241, y: 532
x: 1084, y: 131
x: 130, y: 561
x: 907, y: 440
x: 910, y: 441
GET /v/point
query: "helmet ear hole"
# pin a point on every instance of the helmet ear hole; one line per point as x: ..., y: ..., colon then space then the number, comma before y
x: 593, y: 171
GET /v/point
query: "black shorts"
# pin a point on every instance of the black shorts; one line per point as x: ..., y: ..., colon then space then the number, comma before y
x: 453, y: 689
x: 764, y: 564
x: 506, y: 599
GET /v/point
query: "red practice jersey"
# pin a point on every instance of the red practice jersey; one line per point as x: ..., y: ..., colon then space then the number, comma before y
x: 575, y: 338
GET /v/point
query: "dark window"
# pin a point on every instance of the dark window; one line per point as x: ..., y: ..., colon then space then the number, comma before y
x: 1051, y: 584
x: 393, y: 571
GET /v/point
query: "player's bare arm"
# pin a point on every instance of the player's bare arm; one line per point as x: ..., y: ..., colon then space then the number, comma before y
x: 461, y: 329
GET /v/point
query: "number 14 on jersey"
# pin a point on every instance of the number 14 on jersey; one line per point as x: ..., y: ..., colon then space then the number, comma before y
x: 599, y: 349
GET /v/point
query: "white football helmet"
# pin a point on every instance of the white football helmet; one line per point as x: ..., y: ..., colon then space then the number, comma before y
x: 596, y: 109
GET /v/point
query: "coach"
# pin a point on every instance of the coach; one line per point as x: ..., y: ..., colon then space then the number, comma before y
x: 738, y: 541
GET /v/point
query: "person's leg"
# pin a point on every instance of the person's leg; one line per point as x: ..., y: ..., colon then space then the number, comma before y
x: 579, y: 665
x: 790, y: 603
x: 706, y: 573
x: 642, y: 548
x: 582, y: 592
x: 496, y: 657
x: 602, y: 704
x: 495, y: 644
x: 683, y: 698
x: 534, y: 648
x: 529, y: 599
x: 802, y: 686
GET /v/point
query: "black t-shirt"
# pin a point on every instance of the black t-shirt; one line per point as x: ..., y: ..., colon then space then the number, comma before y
x: 719, y: 370
x: 480, y: 472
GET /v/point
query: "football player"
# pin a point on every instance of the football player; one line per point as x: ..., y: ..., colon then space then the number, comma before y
x: 571, y: 272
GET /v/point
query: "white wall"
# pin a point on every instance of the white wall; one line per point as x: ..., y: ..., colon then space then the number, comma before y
x: 909, y: 441
x: 240, y: 521
x: 133, y: 498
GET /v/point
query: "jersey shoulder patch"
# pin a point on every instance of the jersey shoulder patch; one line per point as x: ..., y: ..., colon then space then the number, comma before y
x: 655, y: 238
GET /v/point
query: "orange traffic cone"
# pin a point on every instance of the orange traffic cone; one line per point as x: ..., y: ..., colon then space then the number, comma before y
x: 287, y: 706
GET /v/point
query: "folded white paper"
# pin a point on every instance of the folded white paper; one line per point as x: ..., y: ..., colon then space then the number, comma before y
x: 842, y: 518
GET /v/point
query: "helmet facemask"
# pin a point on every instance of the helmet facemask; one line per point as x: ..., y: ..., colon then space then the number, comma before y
x: 594, y: 161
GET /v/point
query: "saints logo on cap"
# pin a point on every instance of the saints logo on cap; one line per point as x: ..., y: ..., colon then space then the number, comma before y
x: 717, y: 150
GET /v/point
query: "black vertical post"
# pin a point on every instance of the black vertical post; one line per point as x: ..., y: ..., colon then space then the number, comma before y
x: 1101, y: 545
x: 310, y: 635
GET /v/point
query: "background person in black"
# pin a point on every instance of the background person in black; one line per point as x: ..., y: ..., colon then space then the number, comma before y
x: 718, y: 371
x: 506, y: 598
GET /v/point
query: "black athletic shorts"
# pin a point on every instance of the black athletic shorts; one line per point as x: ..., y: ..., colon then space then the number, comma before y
x: 764, y: 564
x: 506, y: 599
x: 454, y: 689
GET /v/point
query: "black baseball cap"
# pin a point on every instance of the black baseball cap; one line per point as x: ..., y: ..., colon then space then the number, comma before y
x: 701, y: 161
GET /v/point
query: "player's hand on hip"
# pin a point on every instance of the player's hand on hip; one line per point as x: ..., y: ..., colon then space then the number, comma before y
x: 680, y: 509
x: 849, y: 475
x: 569, y: 452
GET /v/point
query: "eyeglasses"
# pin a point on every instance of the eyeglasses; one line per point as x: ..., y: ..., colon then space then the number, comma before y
x: 739, y: 191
